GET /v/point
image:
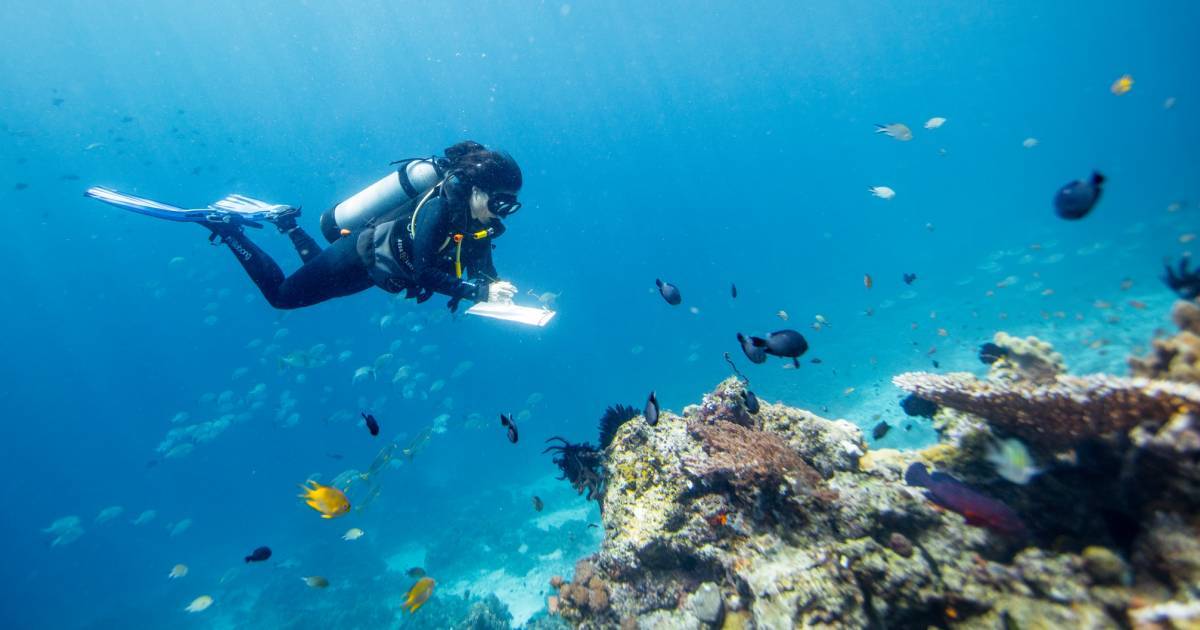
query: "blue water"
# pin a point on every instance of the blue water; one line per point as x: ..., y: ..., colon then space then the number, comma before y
x: 703, y: 143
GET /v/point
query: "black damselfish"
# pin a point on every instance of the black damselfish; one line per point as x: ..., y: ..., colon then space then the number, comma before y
x: 1076, y: 199
x: 258, y: 555
x: 507, y: 423
x: 756, y: 353
x: 989, y: 353
x: 751, y: 401
x: 669, y: 292
x: 372, y: 424
x: 914, y: 405
x: 652, y: 410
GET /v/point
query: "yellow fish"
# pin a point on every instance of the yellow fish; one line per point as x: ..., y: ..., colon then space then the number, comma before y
x: 327, y: 500
x: 199, y: 604
x: 178, y: 571
x: 418, y: 594
x: 1122, y: 85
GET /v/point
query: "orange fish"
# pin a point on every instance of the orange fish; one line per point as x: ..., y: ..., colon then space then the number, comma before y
x: 718, y: 519
x: 327, y: 500
x: 867, y: 282
x: 942, y: 332
x: 418, y: 594
x: 1138, y: 304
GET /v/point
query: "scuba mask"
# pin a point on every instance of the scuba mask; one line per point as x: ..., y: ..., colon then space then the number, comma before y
x: 503, y: 204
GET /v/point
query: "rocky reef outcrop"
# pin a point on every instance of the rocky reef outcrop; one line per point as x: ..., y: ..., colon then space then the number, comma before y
x: 719, y: 518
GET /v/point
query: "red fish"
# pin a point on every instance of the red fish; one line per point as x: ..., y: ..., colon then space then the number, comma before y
x: 952, y: 494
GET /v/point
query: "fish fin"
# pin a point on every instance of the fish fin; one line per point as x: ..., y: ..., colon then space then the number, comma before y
x: 796, y: 361
x: 758, y: 342
x: 1097, y: 178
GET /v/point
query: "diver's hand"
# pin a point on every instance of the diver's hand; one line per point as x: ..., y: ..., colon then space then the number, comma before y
x: 501, y: 291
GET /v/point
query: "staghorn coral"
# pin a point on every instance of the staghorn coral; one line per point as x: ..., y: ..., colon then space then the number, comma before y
x: 1175, y: 358
x: 1060, y: 414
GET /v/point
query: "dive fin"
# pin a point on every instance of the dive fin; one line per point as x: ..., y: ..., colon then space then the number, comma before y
x: 234, y: 210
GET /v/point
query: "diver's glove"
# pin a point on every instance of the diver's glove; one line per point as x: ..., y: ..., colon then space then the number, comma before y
x: 501, y: 291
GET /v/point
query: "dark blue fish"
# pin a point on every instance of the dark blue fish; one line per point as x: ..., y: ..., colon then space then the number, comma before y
x: 750, y: 400
x: 651, y: 412
x: 506, y: 422
x: 756, y: 353
x: 881, y: 430
x: 258, y: 555
x: 909, y: 278
x: 669, y: 292
x: 787, y: 344
x: 952, y: 494
x: 372, y: 424
x: 733, y: 290
x: 1075, y: 200
x: 914, y: 405
x: 989, y: 353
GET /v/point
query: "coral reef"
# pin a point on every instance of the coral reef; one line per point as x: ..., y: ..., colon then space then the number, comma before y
x: 1025, y: 359
x: 1060, y: 413
x: 1176, y: 358
x: 723, y: 519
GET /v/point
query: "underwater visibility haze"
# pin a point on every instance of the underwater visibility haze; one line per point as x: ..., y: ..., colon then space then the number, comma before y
x: 849, y: 300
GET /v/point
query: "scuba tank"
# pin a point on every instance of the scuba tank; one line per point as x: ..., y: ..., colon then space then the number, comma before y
x: 380, y: 201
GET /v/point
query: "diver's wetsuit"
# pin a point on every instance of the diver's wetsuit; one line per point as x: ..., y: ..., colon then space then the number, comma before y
x: 376, y: 256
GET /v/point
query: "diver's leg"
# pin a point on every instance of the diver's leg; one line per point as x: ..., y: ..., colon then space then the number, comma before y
x: 285, y: 221
x: 258, y: 265
x: 305, y: 245
x: 335, y: 272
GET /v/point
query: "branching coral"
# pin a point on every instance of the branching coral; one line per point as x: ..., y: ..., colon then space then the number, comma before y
x: 1062, y: 413
x: 581, y: 464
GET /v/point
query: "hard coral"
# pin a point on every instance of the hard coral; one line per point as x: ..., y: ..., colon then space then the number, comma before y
x: 756, y: 465
x: 1176, y: 358
x: 1025, y: 359
x: 1061, y: 413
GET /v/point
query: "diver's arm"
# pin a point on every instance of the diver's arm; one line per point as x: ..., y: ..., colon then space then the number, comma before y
x: 482, y: 265
x: 431, y: 229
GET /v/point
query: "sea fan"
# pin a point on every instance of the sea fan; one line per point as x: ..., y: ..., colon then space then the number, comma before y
x: 613, y: 418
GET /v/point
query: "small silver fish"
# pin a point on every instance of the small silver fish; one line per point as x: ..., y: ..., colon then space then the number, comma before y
x: 899, y: 131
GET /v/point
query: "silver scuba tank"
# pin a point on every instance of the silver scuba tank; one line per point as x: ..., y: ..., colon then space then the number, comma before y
x: 408, y: 182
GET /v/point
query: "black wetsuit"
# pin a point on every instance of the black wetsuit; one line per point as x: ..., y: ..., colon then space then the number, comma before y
x: 356, y: 262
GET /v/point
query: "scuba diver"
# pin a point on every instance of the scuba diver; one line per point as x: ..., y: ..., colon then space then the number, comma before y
x: 417, y: 231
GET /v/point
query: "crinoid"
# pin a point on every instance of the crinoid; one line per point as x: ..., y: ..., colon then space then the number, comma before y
x: 613, y: 418
x: 1185, y: 283
x: 580, y: 464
